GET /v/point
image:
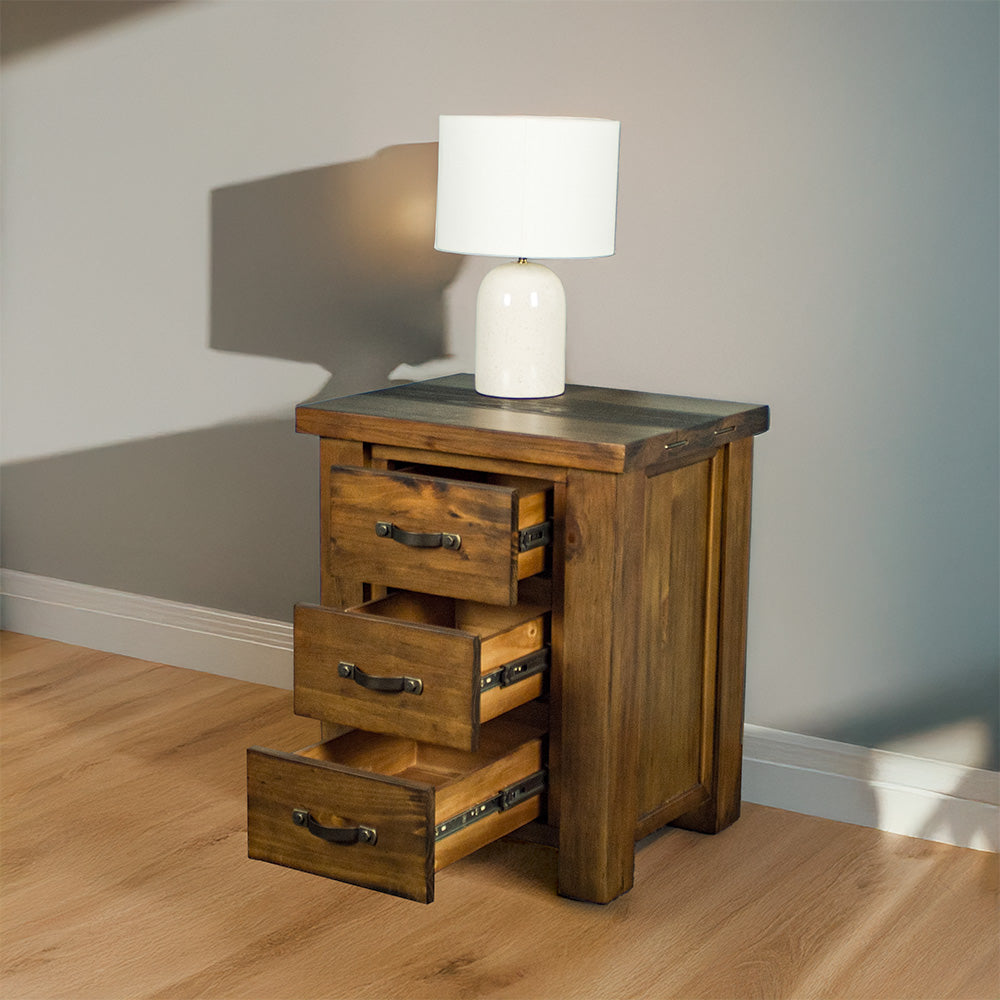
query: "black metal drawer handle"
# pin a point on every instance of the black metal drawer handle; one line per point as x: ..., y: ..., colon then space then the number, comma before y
x: 334, y: 834
x: 418, y: 539
x: 391, y: 685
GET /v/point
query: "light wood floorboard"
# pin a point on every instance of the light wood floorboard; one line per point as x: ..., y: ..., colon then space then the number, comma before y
x: 124, y: 875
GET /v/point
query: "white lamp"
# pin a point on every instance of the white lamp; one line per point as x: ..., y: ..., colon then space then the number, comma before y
x: 519, y: 186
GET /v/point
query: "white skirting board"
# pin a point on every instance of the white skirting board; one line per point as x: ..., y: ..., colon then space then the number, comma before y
x: 148, y: 628
x: 913, y: 796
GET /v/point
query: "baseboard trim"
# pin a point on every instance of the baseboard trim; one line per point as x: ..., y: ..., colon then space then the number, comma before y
x: 149, y: 628
x: 914, y: 796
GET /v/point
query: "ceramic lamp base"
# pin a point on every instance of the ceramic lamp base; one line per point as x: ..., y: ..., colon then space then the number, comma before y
x: 521, y: 332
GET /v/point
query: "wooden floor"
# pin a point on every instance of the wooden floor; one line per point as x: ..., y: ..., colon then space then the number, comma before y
x: 124, y: 875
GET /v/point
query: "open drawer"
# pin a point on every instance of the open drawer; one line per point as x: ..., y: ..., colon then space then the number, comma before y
x: 454, y: 536
x: 431, y: 668
x: 386, y: 812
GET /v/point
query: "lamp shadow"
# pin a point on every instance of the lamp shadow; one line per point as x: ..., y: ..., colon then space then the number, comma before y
x: 333, y: 265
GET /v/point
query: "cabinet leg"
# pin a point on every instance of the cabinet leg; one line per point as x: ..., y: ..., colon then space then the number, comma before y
x: 598, y: 731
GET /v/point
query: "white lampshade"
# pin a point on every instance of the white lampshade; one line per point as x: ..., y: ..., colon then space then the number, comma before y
x: 521, y: 186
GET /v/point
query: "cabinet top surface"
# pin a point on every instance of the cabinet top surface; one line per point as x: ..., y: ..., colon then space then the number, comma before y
x: 586, y: 427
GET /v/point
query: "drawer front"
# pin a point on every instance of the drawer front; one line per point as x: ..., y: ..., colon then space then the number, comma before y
x: 430, y: 668
x: 400, y: 861
x: 386, y: 813
x: 439, y: 536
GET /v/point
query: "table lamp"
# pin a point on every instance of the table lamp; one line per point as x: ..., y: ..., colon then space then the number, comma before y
x: 525, y: 187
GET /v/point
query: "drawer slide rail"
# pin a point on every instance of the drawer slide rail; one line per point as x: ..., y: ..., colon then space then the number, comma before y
x: 517, y: 670
x: 509, y: 797
x: 534, y: 537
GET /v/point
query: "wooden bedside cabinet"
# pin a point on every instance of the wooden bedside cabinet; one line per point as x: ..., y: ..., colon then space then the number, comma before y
x: 532, y: 617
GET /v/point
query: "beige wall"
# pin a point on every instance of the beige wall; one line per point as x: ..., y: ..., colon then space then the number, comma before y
x: 808, y: 218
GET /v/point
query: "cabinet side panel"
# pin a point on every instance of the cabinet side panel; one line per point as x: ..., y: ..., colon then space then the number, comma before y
x: 675, y: 641
x: 725, y: 775
x: 335, y: 591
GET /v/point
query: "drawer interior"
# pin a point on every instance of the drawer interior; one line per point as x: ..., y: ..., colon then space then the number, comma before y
x: 505, y: 633
x: 443, y: 767
x: 510, y: 749
x: 419, y: 807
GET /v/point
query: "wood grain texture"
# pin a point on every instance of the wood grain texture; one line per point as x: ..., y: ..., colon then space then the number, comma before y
x: 400, y: 862
x: 585, y: 428
x: 336, y: 589
x: 446, y: 662
x: 598, y: 712
x: 445, y: 643
x: 125, y: 877
x: 517, y: 763
x: 482, y: 463
x: 677, y: 647
x: 646, y: 569
x: 483, y: 515
x: 397, y: 787
x: 725, y: 781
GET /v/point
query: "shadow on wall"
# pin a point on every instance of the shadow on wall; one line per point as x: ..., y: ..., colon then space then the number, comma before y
x: 957, y: 723
x: 223, y: 517
x: 333, y: 265
x: 26, y: 25
x: 963, y: 715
